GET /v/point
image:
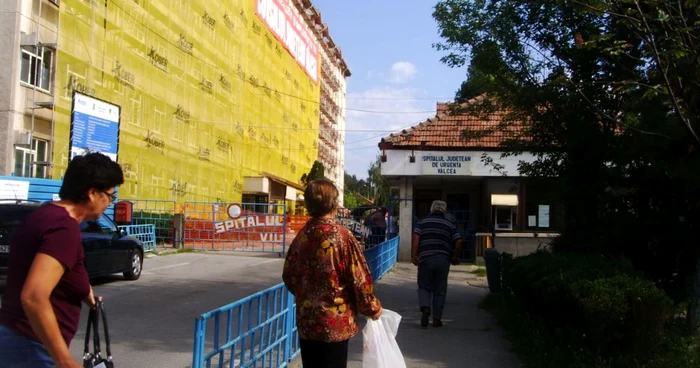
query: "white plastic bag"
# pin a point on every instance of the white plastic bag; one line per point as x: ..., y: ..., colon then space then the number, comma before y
x: 380, y: 347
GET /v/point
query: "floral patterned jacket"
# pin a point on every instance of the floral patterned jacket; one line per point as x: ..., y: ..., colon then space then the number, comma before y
x: 326, y: 271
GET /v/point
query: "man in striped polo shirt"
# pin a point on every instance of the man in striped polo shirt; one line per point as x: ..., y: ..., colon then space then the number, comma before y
x: 436, y: 241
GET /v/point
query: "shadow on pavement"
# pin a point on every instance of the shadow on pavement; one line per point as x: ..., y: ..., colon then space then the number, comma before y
x: 470, y: 337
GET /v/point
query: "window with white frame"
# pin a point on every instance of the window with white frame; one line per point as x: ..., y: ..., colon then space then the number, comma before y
x: 158, y: 118
x: 178, y: 128
x: 192, y: 136
x: 32, y: 162
x: 136, y: 110
x: 36, y: 67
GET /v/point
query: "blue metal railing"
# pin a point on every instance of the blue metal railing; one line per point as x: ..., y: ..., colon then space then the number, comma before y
x: 145, y: 233
x: 260, y: 330
x: 382, y: 257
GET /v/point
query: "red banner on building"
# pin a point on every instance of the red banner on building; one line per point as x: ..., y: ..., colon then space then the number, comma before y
x: 291, y: 30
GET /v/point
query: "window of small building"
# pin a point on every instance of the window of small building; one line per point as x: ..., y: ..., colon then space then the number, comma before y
x: 506, y: 211
x: 541, y: 211
x: 506, y: 217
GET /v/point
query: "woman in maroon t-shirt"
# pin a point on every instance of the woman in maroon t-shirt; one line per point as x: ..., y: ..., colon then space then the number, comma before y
x: 46, y: 278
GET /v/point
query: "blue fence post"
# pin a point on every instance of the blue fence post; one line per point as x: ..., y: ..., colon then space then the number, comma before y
x: 289, y: 327
x: 199, y: 335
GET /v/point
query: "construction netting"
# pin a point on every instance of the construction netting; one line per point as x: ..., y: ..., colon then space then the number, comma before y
x: 208, y: 94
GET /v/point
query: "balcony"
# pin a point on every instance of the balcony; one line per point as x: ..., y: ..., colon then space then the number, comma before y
x: 326, y: 135
x: 327, y: 74
x: 329, y: 107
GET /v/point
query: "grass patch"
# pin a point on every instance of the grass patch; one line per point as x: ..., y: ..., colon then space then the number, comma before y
x: 481, y: 272
x: 170, y: 251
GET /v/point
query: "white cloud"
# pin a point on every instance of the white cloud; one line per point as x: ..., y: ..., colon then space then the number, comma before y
x: 402, y: 72
x: 374, y: 75
x: 394, y: 109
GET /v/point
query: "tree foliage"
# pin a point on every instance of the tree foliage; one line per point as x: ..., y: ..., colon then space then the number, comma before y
x: 381, y: 189
x: 317, y: 171
x: 373, y: 191
x: 355, y: 191
x: 607, y: 95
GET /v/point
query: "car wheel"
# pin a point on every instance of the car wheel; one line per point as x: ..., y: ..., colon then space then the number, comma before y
x: 135, y: 266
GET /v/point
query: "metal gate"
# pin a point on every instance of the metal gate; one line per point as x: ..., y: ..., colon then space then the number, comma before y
x: 160, y: 214
x: 464, y: 220
x: 359, y: 221
x: 248, y: 227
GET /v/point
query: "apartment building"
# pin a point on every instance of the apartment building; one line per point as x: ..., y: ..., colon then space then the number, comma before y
x: 28, y: 38
x: 334, y: 71
x: 216, y: 100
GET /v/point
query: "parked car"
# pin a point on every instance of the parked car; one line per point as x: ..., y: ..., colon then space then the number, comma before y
x: 107, y: 249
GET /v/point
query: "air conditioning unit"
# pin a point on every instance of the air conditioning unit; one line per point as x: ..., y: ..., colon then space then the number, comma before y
x: 22, y: 138
x: 30, y: 39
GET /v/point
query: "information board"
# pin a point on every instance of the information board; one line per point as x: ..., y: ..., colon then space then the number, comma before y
x: 14, y: 189
x: 94, y: 126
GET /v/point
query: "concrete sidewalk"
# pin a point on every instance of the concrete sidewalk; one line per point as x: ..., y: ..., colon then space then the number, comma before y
x: 470, y: 337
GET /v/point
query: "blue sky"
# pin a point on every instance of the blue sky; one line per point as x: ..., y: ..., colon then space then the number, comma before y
x: 388, y: 46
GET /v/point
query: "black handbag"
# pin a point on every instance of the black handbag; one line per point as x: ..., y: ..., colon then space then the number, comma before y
x: 95, y: 359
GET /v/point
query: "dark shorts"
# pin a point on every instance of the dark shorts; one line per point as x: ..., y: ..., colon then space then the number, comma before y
x: 17, y: 351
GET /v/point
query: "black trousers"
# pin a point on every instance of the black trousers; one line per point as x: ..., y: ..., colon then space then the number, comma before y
x: 321, y: 354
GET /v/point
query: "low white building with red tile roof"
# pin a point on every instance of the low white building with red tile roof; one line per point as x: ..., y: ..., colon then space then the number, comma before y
x: 456, y: 157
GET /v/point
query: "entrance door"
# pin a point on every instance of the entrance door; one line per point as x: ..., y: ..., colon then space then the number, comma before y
x: 459, y: 211
x: 423, y: 199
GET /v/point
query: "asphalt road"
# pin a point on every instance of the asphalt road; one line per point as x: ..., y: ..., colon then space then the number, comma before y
x: 151, y: 320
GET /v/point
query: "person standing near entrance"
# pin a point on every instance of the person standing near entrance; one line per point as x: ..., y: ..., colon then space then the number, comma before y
x: 432, y: 250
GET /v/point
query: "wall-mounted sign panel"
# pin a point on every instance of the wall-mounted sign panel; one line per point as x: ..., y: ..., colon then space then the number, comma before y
x: 451, y: 165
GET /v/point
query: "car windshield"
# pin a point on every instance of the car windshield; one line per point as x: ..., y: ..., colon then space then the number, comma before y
x: 10, y: 219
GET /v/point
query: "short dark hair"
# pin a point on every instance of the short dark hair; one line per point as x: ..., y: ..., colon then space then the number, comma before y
x: 92, y: 171
x: 321, y: 197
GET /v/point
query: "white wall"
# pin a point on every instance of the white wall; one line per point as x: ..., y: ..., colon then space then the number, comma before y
x: 256, y: 185
x: 10, y: 19
x: 398, y: 162
x: 405, y: 219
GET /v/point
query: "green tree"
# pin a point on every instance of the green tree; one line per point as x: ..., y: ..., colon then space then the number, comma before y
x: 356, y: 192
x: 607, y: 95
x: 351, y: 200
x: 380, y: 189
x: 317, y: 171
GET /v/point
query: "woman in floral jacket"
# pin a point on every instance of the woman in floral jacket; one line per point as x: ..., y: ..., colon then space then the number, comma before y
x: 326, y: 271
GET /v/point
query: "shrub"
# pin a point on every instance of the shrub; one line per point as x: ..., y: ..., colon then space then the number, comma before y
x: 592, y: 304
x: 621, y: 315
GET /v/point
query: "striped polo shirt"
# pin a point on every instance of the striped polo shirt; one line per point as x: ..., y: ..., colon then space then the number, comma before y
x: 437, y: 236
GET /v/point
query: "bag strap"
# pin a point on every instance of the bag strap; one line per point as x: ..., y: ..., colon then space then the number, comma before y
x: 93, y: 324
x: 108, y: 348
x: 91, y: 319
x: 96, y: 331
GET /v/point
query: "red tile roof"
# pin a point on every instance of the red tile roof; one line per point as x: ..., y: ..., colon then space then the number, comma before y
x: 445, y: 130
